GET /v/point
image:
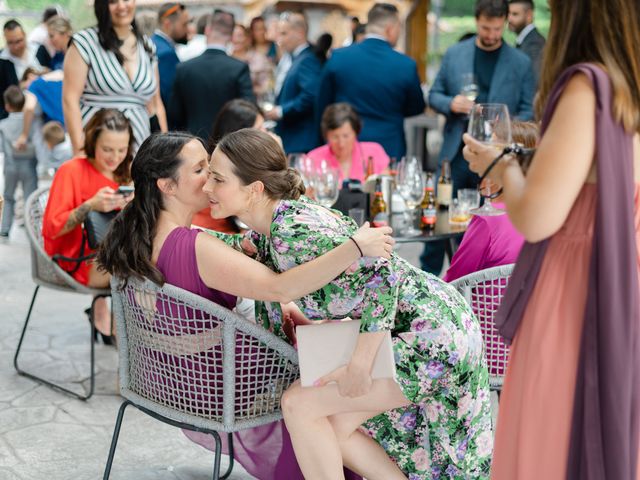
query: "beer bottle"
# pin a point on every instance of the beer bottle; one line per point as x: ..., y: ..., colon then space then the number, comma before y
x: 379, y: 215
x: 428, y: 205
x: 370, y: 169
x: 445, y: 185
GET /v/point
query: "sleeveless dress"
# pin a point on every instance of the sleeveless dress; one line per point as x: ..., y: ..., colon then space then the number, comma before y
x: 265, y: 452
x: 536, y: 405
x: 109, y: 86
x: 446, y: 431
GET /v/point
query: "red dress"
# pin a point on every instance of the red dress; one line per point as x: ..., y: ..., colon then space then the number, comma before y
x: 75, y: 182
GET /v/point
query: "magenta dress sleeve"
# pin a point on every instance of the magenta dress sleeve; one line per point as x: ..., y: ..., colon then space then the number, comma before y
x: 472, y: 251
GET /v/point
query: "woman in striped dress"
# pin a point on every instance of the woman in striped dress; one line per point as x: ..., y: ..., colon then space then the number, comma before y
x: 111, y: 65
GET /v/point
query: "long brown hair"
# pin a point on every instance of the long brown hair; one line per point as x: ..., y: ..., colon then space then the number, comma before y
x: 126, y: 249
x: 115, y: 121
x: 605, y: 32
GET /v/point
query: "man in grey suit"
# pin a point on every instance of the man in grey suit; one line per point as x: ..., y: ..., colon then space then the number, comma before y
x: 529, y: 40
x: 503, y: 75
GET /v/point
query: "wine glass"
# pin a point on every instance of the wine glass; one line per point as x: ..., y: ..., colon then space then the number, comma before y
x: 490, y: 124
x: 410, y: 182
x: 469, y: 86
x: 267, y: 100
x: 306, y: 168
x: 326, y: 183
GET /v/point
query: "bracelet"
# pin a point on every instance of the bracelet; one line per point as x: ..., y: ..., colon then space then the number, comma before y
x: 515, y: 149
x: 357, y: 246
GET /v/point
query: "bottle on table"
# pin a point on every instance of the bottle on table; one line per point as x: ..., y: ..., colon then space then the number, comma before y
x: 428, y: 205
x: 445, y: 186
x: 370, y: 169
x: 379, y: 214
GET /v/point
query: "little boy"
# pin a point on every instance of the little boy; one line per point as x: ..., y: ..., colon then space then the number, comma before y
x: 19, y: 165
x: 58, y: 142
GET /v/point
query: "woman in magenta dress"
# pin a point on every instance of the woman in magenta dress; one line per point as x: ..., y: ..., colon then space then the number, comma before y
x: 491, y: 241
x: 169, y: 172
x: 340, y: 127
x: 571, y: 399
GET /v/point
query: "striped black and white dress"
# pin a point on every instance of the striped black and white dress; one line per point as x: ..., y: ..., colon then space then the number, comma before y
x: 109, y: 86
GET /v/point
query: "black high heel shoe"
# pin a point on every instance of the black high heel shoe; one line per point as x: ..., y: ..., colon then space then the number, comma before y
x: 106, y: 339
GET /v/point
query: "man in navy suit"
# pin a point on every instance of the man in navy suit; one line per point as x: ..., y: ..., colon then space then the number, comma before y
x: 503, y: 75
x: 381, y: 84
x: 173, y: 21
x: 297, y: 78
x: 204, y: 84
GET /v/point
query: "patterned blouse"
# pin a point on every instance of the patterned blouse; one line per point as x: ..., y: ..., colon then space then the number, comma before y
x: 109, y: 86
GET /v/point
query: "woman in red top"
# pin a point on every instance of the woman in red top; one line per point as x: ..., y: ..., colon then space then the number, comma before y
x: 87, y: 183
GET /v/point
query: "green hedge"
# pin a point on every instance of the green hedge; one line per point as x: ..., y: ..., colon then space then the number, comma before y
x: 466, y: 7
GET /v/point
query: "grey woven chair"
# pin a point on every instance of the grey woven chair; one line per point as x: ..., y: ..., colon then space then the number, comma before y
x: 484, y: 290
x: 196, y: 365
x: 47, y: 273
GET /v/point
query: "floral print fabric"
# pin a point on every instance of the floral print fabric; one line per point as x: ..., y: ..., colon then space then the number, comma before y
x: 446, y: 432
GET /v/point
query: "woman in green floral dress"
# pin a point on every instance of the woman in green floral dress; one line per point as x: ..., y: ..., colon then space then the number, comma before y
x: 433, y: 421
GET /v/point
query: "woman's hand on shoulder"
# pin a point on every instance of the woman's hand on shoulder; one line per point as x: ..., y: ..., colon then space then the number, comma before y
x: 374, y: 242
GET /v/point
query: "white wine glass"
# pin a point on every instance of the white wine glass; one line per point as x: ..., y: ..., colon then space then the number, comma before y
x: 410, y: 182
x: 469, y: 86
x: 490, y: 124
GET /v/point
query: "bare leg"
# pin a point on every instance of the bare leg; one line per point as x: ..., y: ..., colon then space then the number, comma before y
x: 361, y: 453
x: 318, y: 442
x: 101, y: 313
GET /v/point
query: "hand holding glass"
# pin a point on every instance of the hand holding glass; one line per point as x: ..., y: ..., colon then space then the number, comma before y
x: 490, y: 124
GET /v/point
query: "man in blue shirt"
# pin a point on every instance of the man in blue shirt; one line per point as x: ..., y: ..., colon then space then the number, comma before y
x: 173, y: 20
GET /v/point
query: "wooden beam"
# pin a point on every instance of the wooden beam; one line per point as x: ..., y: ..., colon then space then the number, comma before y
x: 416, y: 37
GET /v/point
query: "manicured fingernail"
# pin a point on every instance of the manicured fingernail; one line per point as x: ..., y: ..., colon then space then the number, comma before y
x: 317, y: 383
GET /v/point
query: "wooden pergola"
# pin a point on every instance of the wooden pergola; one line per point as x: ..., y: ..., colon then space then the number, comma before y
x: 413, y: 12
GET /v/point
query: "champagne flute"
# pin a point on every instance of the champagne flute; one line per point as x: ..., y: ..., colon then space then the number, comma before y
x: 410, y: 181
x: 490, y: 124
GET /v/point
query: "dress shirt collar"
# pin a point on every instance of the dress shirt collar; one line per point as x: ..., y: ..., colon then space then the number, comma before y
x: 375, y: 36
x: 160, y: 33
x: 523, y: 34
x: 217, y: 46
x: 299, y: 49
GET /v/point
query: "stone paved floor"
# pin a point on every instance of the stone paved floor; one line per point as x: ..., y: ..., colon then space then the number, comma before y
x: 50, y: 436
x: 47, y: 435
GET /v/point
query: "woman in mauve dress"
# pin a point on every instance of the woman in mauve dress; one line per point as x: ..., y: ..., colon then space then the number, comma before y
x: 570, y: 403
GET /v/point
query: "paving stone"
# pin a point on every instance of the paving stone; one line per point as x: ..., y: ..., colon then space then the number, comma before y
x: 16, y: 418
x: 9, y: 474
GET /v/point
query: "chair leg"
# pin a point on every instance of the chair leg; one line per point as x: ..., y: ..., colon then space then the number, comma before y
x: 218, y: 453
x: 114, y: 440
x: 48, y: 383
x: 230, y: 467
x: 24, y: 329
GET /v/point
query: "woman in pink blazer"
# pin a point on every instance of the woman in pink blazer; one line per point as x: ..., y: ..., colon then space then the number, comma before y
x: 340, y: 127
